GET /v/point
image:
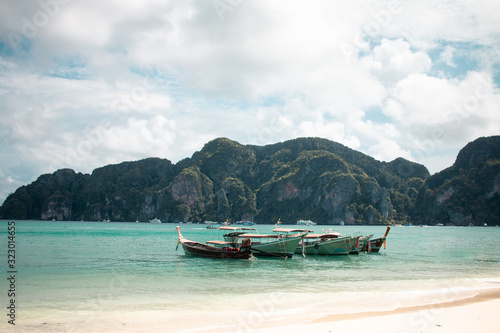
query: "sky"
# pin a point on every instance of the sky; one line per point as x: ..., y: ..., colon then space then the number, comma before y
x: 85, y: 84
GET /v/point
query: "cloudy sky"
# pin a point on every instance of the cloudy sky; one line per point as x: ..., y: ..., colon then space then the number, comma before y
x: 88, y: 83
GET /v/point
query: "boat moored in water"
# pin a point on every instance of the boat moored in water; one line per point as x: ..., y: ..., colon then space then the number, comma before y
x: 369, y: 245
x: 306, y: 222
x: 374, y: 245
x: 332, y: 243
x: 212, y: 225
x: 225, y: 251
x: 248, y: 223
x: 280, y: 244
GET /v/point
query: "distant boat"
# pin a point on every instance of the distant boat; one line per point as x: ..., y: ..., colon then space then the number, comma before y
x: 245, y: 223
x: 204, y: 250
x: 212, y: 225
x: 306, y: 222
x: 155, y: 220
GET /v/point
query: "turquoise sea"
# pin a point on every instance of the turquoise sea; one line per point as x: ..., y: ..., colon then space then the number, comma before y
x: 104, y: 277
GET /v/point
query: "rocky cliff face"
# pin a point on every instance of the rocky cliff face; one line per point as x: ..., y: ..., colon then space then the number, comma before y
x: 50, y: 197
x: 322, y: 186
x: 306, y: 178
x: 467, y: 192
x: 57, y: 208
x: 193, y: 191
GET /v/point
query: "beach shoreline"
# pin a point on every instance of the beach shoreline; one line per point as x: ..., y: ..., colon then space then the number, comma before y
x: 478, y: 313
x: 482, y: 296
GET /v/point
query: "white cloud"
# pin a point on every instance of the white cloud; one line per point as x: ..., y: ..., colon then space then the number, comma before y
x: 388, y: 150
x: 421, y: 99
x: 140, y: 136
x: 443, y: 115
x: 161, y: 78
x: 447, y: 56
x: 393, y: 61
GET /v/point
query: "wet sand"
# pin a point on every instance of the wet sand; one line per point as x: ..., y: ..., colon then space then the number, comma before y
x: 479, y: 313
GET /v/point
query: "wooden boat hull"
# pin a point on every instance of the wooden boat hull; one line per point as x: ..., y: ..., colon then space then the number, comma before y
x: 194, y: 248
x: 280, y: 247
x: 362, y: 242
x: 369, y: 245
x: 208, y: 251
x: 337, y: 246
x: 375, y: 245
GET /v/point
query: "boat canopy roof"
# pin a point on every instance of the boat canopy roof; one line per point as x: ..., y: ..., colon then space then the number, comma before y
x: 237, y: 228
x: 328, y: 235
x: 218, y: 242
x: 290, y: 230
x: 257, y: 236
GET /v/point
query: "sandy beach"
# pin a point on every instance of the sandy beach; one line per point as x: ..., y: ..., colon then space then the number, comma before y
x: 474, y: 314
x: 478, y: 313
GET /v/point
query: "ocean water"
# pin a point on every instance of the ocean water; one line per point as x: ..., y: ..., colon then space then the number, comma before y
x: 85, y: 276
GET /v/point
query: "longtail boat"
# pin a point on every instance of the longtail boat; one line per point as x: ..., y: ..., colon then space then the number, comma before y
x: 360, y: 242
x: 332, y: 243
x: 280, y: 244
x: 369, y: 245
x: 204, y: 250
x: 374, y: 245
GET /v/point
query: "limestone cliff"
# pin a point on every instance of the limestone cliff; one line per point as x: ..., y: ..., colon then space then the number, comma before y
x: 466, y: 193
x: 305, y: 178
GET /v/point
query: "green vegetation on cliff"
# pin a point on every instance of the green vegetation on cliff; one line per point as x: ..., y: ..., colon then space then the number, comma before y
x: 467, y: 192
x: 305, y: 178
